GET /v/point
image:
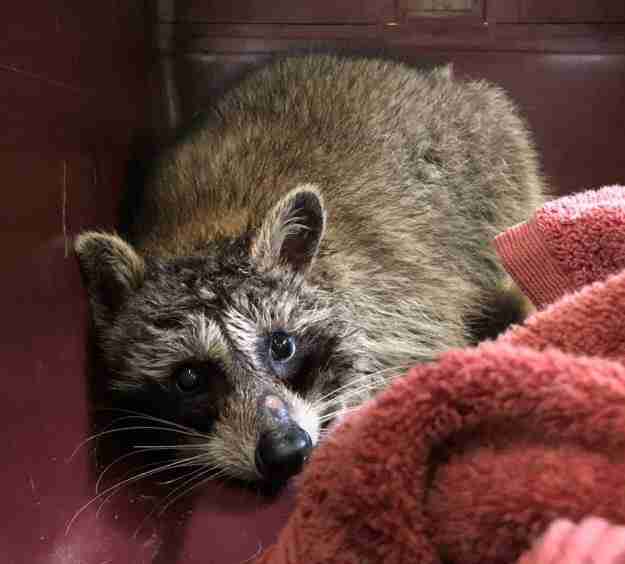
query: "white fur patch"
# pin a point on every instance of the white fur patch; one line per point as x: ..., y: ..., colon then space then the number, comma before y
x: 305, y: 415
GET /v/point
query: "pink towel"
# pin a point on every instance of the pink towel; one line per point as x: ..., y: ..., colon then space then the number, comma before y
x: 466, y: 460
x: 569, y: 243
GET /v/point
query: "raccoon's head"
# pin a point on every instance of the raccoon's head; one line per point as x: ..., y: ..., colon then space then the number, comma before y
x: 231, y: 344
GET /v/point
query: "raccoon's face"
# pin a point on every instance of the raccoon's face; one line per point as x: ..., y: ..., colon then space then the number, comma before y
x: 231, y: 344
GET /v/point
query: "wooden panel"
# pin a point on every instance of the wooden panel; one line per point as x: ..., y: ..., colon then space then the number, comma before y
x: 440, y: 8
x: 441, y: 5
x: 502, y: 10
x: 470, y: 34
x: 319, y: 11
x: 580, y: 11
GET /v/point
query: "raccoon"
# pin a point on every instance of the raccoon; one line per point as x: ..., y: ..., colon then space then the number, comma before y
x: 327, y: 223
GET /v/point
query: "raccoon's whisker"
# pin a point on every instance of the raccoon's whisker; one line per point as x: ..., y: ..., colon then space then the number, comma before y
x: 147, y: 416
x: 143, y: 450
x: 166, y: 447
x: 362, y: 387
x: 333, y: 408
x: 362, y: 378
x: 189, y: 478
x: 369, y: 375
x: 157, y: 420
x: 346, y: 393
x: 201, y: 482
x: 203, y: 474
x: 333, y: 414
x: 116, y: 489
x: 125, y: 482
x: 327, y: 398
x: 371, y: 379
x: 356, y: 393
x: 157, y: 467
x: 150, y: 465
x: 109, y: 466
x: 185, y: 476
x: 133, y: 428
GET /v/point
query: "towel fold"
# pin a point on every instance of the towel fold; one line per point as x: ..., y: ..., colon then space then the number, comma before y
x: 567, y: 244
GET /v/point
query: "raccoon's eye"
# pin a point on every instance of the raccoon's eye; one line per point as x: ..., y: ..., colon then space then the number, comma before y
x: 282, y: 346
x: 187, y: 379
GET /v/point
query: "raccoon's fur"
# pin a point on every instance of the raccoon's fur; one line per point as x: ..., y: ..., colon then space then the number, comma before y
x: 341, y: 207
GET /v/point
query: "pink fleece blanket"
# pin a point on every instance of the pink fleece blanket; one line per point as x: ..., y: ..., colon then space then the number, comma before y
x: 467, y: 460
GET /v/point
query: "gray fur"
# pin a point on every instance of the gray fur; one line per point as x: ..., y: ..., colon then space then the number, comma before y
x: 351, y: 203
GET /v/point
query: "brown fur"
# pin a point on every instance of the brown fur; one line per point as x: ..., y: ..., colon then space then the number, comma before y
x: 351, y: 202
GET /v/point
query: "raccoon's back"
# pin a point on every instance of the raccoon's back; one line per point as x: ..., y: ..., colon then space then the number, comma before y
x: 384, y: 143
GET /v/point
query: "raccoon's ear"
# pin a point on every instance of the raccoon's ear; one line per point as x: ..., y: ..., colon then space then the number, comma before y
x: 112, y: 269
x: 292, y: 230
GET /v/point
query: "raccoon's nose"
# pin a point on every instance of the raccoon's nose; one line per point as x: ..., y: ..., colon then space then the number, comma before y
x: 281, y: 453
